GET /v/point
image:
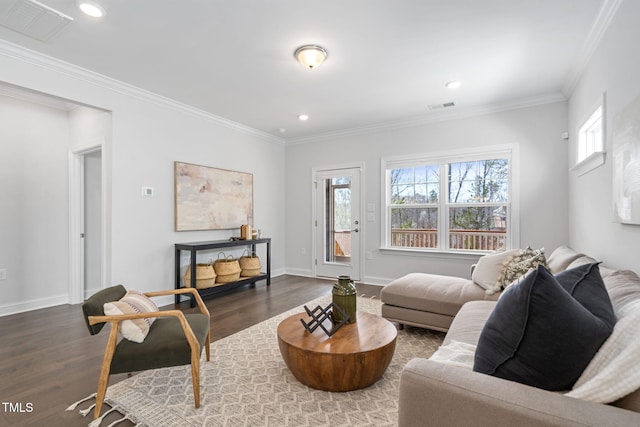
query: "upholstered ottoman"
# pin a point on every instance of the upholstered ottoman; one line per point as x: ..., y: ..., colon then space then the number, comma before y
x: 429, y: 300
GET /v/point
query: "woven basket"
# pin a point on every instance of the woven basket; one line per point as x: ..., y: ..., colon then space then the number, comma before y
x: 227, y: 269
x: 250, y: 265
x: 205, y: 276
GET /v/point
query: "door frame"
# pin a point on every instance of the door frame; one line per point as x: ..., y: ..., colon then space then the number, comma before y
x: 76, y: 219
x: 314, y: 206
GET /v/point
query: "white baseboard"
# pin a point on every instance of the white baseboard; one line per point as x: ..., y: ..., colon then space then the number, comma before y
x: 369, y: 280
x: 34, y: 304
x: 380, y: 281
x: 278, y: 272
x: 299, y: 272
x: 164, y: 300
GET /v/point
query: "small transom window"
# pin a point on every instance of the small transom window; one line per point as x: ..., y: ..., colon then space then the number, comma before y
x: 590, y: 136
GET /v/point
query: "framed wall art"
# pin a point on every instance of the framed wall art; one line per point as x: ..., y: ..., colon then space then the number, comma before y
x: 626, y: 164
x: 208, y: 198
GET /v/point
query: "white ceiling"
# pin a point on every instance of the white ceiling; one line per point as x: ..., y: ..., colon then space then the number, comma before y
x: 388, y: 59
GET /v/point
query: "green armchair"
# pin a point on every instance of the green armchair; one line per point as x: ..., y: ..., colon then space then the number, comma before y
x: 174, y: 339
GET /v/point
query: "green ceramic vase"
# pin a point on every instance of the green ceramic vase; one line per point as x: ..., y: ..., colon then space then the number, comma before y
x: 344, y: 296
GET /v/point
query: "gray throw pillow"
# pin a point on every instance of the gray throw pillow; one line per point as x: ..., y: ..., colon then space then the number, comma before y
x: 540, y: 335
x: 585, y: 284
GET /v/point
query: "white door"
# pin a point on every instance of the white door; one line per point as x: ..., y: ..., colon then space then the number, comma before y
x: 338, y: 227
x: 92, y: 222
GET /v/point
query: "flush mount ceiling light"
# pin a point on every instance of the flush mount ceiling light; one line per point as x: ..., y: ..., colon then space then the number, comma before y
x: 91, y: 8
x: 453, y: 84
x: 311, y: 56
x: 303, y: 117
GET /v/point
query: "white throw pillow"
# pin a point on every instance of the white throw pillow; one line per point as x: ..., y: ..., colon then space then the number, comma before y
x: 489, y: 269
x: 133, y: 302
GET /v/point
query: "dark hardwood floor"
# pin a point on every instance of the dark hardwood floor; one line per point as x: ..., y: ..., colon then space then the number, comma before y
x: 48, y: 360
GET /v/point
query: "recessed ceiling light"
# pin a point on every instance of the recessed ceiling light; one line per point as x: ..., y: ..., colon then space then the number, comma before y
x: 91, y: 8
x: 453, y: 84
x: 303, y: 117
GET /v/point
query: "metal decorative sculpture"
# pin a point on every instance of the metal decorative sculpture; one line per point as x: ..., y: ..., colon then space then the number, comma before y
x: 319, y: 315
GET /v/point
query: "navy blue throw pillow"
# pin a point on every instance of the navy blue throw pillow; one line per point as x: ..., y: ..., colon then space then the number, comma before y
x: 539, y: 334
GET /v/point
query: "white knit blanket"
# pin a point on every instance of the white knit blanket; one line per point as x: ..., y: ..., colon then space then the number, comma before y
x: 614, y: 371
x: 455, y: 353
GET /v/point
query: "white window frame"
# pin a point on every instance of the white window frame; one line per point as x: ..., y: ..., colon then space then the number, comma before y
x: 590, y: 152
x: 507, y: 151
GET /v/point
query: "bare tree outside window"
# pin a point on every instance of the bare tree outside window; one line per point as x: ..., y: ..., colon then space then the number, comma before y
x: 477, y: 184
x: 415, y: 193
x: 476, y: 204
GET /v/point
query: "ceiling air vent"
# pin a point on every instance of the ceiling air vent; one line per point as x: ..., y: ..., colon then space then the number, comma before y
x: 34, y: 19
x: 435, y: 107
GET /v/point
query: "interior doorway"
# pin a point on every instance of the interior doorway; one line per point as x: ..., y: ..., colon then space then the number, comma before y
x: 87, y: 231
x: 338, y: 227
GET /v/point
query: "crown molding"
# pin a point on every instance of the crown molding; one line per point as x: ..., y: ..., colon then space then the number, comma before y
x: 456, y: 113
x: 26, y: 95
x: 40, y: 60
x: 592, y: 41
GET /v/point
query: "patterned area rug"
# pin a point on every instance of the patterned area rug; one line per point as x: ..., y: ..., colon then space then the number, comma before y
x: 247, y: 383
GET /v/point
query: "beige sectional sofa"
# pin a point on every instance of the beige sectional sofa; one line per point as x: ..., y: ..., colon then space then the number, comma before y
x: 429, y: 300
x: 441, y: 394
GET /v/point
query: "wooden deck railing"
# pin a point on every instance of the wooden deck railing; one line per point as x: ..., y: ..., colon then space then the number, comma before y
x: 414, y: 238
x: 342, y: 243
x: 458, y: 239
x: 469, y: 240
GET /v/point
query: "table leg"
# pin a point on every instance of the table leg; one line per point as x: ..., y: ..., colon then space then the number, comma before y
x: 177, y: 271
x: 192, y: 301
x: 269, y: 263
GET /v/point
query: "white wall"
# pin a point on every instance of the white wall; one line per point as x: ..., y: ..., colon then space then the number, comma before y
x: 145, y: 155
x: 614, y: 69
x: 148, y: 134
x: 543, y: 182
x: 34, y: 199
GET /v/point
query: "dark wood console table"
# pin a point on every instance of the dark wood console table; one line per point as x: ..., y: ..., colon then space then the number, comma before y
x: 193, y: 249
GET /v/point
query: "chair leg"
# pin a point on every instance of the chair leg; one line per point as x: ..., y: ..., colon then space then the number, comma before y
x: 195, y: 379
x: 207, y: 343
x: 103, y: 381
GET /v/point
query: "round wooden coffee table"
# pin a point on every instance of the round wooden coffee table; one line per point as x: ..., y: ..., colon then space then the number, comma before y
x: 355, y: 357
